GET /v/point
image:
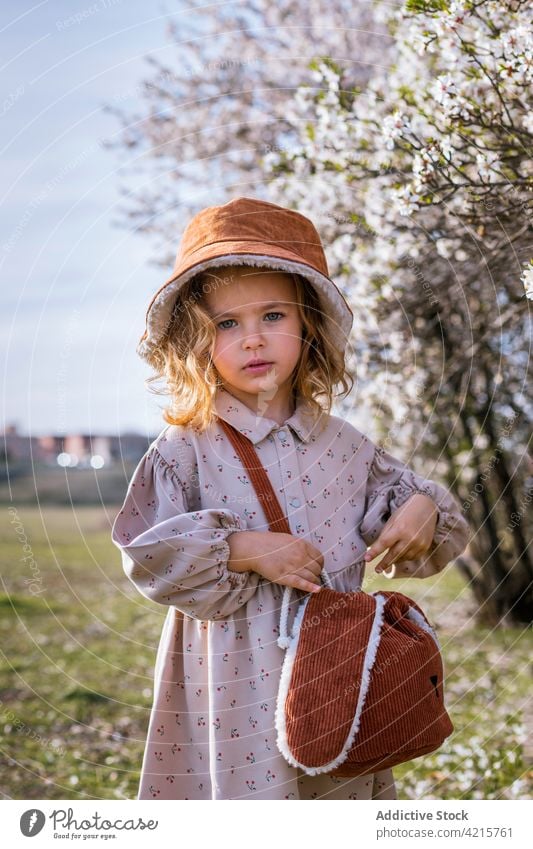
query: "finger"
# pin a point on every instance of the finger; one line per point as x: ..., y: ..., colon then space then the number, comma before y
x: 393, y: 555
x: 372, y: 564
x: 314, y: 567
x: 412, y: 552
x: 316, y: 556
x: 301, y: 584
x: 306, y: 575
x: 384, y: 541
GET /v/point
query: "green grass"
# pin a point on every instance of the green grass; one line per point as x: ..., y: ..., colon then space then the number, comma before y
x: 78, y: 651
x: 78, y: 660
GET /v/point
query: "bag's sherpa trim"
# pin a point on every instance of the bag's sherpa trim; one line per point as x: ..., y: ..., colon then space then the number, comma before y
x: 161, y: 309
x: 414, y: 614
x: 286, y: 674
x: 284, y: 683
x: 284, y: 640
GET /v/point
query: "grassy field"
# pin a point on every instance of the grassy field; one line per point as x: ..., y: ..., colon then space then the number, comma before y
x: 78, y: 649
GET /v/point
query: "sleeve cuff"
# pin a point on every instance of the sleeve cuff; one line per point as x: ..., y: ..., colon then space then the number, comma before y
x: 237, y: 580
x: 403, y: 491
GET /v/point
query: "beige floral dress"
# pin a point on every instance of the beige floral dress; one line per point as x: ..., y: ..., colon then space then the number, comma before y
x: 211, y: 732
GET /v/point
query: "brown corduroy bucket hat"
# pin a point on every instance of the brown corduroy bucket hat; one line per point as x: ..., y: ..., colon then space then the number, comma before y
x: 248, y: 231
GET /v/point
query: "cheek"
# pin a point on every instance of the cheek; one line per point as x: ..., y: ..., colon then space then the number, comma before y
x: 217, y: 350
x: 222, y: 348
x: 293, y: 335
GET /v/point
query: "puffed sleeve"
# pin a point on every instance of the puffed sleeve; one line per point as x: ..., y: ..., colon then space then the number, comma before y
x: 176, y: 557
x: 390, y: 484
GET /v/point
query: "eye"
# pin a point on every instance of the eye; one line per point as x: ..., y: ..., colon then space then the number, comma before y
x: 224, y: 322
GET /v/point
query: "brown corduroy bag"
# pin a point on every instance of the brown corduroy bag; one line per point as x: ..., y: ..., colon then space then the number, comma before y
x: 361, y: 685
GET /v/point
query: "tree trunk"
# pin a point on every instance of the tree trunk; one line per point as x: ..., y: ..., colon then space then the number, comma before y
x: 498, y: 562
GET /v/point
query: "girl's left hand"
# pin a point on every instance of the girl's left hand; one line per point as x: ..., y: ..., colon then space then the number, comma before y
x: 408, y: 533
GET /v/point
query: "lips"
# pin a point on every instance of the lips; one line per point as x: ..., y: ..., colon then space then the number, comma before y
x: 255, y: 363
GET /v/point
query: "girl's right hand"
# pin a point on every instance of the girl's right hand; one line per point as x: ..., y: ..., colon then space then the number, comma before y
x: 278, y: 557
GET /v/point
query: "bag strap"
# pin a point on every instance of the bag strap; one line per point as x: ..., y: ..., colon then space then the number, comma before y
x: 268, y: 499
x: 261, y: 482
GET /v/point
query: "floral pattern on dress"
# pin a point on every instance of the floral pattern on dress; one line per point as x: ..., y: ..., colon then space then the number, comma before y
x: 211, y: 731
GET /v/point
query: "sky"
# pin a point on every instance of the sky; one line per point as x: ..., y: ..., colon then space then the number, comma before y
x: 74, y: 285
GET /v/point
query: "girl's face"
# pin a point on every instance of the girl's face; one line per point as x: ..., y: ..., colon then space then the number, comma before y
x: 256, y: 317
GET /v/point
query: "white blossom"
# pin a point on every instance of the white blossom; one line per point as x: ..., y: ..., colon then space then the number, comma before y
x: 395, y: 126
x: 527, y: 122
x: 444, y: 88
x: 444, y: 247
x: 423, y: 167
x: 453, y: 19
x: 517, y: 41
x: 527, y: 280
x: 324, y: 73
x: 486, y: 166
x: 405, y: 200
x: 446, y: 147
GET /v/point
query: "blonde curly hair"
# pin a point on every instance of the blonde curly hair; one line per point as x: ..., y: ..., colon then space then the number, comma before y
x: 183, y: 358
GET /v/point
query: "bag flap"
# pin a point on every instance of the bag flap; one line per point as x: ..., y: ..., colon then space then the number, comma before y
x: 335, y: 640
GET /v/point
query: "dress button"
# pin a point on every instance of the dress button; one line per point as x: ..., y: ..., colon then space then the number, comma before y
x: 282, y: 434
x: 295, y: 502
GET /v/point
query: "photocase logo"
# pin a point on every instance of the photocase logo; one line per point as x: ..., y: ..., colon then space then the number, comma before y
x: 31, y: 822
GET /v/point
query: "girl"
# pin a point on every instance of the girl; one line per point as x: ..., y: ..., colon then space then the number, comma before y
x: 250, y: 328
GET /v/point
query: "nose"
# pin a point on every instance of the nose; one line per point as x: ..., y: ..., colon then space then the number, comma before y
x: 253, y: 339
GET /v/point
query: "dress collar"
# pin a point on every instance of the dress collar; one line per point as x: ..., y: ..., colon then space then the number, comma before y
x: 256, y: 428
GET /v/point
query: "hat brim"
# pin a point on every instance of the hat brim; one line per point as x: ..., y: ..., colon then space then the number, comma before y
x: 337, y: 313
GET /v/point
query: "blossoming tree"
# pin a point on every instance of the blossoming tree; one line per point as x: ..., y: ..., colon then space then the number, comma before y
x: 422, y: 180
x: 214, y: 103
x: 408, y: 142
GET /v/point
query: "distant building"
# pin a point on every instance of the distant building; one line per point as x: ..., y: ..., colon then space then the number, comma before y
x: 76, y: 450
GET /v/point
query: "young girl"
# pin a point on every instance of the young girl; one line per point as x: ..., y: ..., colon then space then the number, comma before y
x: 251, y: 329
